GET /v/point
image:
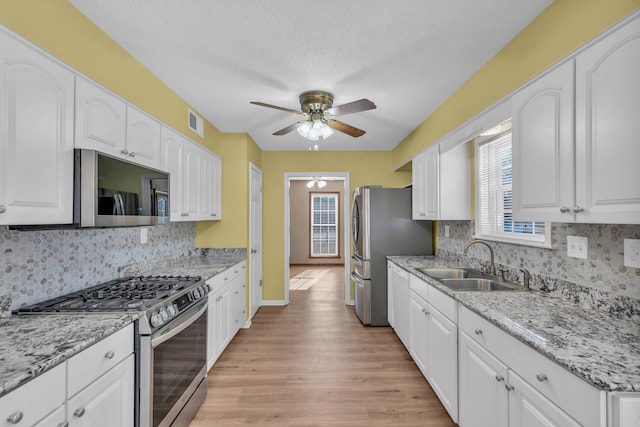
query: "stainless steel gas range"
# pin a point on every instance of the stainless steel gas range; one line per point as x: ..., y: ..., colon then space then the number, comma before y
x: 171, y: 340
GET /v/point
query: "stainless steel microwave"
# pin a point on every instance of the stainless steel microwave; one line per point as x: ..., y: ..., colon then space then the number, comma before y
x: 112, y: 192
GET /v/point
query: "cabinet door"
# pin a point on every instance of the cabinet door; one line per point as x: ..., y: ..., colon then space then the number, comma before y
x: 400, y: 311
x: 223, y: 319
x: 210, y: 186
x: 57, y: 418
x: 192, y: 203
x: 607, y: 128
x: 211, y: 331
x: 418, y: 190
x: 543, y: 148
x: 528, y: 408
x: 216, y: 188
x: 455, y: 183
x: 143, y: 138
x: 106, y: 402
x: 432, y: 183
x: 442, y: 356
x: 100, y: 119
x: 418, y: 318
x: 36, y: 147
x: 172, y: 161
x: 391, y: 279
x: 483, y: 398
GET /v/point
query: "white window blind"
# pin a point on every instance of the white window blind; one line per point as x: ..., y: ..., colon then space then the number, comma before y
x: 324, y: 225
x: 494, y: 214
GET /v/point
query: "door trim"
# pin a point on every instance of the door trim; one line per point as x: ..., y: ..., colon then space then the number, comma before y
x: 346, y: 229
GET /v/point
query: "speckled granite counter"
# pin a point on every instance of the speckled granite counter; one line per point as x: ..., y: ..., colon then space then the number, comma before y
x: 602, y: 349
x: 33, y: 344
x: 205, y: 263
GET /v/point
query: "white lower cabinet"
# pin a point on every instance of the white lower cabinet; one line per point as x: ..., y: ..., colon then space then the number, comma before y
x: 227, y: 309
x: 503, y: 382
x: 399, y: 283
x: 93, y: 388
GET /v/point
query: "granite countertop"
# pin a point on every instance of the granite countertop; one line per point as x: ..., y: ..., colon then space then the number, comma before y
x: 600, y: 348
x: 32, y: 343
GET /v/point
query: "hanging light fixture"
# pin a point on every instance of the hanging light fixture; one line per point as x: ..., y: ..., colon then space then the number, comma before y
x: 316, y: 181
x: 315, y: 129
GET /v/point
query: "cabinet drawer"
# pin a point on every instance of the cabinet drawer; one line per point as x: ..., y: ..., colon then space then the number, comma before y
x: 35, y: 399
x: 576, y: 397
x: 88, y: 365
x: 404, y: 274
x: 444, y: 303
x: 238, y: 294
x: 225, y: 277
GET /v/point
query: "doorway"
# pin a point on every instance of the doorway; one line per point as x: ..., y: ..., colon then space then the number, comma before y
x: 302, y: 245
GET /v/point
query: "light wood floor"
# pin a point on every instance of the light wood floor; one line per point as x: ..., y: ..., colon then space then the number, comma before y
x: 312, y: 363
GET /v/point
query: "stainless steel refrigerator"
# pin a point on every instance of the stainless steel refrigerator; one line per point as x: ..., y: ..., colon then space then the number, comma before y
x: 382, y: 225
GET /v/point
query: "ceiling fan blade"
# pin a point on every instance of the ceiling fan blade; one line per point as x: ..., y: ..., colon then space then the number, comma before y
x: 351, y: 107
x: 288, y: 129
x: 345, y: 128
x: 289, y: 110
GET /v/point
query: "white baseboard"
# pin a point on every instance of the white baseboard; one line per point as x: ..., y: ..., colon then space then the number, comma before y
x: 351, y: 302
x: 246, y: 324
x: 273, y: 302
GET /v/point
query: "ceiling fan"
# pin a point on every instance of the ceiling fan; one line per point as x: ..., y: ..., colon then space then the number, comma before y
x: 319, y: 115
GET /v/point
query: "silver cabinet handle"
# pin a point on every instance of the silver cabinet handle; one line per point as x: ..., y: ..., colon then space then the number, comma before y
x: 237, y: 292
x: 63, y: 424
x: 499, y: 378
x: 578, y: 209
x: 184, y: 214
x: 214, y: 214
x: 509, y: 387
x: 541, y: 377
x: 564, y: 209
x: 3, y: 208
x: 478, y: 331
x: 78, y: 412
x: 254, y: 251
x: 125, y: 152
x: 15, y: 418
x: 132, y: 154
x: 109, y: 355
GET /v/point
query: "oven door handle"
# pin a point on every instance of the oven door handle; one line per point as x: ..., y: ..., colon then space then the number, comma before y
x: 170, y: 333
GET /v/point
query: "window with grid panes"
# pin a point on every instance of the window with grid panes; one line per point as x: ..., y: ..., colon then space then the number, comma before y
x: 494, y: 217
x: 324, y: 224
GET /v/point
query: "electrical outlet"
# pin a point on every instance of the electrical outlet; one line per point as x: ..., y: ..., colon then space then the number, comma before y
x: 632, y: 253
x: 143, y: 236
x: 578, y: 247
x: 446, y: 231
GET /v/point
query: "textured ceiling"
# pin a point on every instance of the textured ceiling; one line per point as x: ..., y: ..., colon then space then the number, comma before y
x: 407, y: 56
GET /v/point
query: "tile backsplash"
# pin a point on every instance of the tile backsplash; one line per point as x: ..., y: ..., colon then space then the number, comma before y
x: 604, y: 269
x: 38, y: 265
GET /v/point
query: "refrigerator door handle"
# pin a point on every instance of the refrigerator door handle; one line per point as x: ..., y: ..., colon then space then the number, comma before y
x: 355, y: 260
x: 356, y: 278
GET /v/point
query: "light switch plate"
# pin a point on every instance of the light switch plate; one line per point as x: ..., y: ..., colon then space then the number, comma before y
x: 632, y: 253
x: 143, y: 236
x: 578, y: 247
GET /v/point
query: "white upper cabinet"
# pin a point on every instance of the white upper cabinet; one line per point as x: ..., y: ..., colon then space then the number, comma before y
x: 602, y: 140
x: 442, y: 183
x: 195, y: 180
x: 543, y: 148
x: 143, y: 138
x: 107, y: 124
x: 36, y: 147
x: 101, y: 119
x: 607, y: 128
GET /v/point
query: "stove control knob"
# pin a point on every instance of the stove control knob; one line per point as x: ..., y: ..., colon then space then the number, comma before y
x: 172, y: 310
x: 165, y: 315
x: 156, y: 320
x: 196, y: 294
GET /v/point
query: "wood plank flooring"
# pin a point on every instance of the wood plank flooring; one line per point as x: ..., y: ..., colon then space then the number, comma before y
x: 312, y: 363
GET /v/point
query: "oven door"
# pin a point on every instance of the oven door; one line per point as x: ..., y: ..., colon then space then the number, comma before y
x: 173, y: 368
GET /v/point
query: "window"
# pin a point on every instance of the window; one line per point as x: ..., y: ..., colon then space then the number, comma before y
x: 324, y: 225
x: 494, y: 216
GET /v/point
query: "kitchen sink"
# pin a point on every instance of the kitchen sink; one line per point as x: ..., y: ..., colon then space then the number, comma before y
x: 451, y: 272
x: 476, y: 284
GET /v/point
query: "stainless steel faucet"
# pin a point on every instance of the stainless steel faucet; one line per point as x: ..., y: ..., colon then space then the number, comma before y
x: 493, y: 265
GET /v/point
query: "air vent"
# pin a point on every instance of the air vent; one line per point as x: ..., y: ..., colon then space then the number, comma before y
x: 195, y: 123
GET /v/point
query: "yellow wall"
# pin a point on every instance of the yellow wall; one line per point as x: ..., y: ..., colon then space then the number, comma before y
x: 365, y: 168
x: 564, y: 26
x: 60, y: 29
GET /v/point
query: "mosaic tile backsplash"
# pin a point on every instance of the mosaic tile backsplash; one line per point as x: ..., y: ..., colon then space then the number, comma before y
x: 603, y: 271
x: 38, y: 265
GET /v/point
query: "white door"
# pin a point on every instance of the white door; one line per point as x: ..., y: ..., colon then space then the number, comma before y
x: 255, y: 237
